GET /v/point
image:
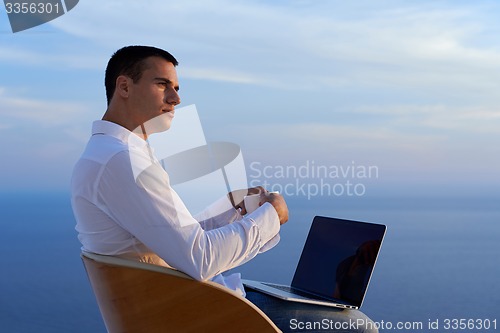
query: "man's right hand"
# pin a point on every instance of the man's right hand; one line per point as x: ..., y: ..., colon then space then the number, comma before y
x: 278, y: 203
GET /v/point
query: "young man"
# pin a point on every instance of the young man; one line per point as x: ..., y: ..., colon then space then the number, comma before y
x: 140, y: 216
x: 122, y: 198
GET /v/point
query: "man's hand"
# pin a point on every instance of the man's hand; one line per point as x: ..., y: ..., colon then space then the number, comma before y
x: 236, y: 197
x: 278, y: 203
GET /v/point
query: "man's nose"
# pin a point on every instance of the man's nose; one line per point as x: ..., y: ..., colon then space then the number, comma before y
x: 173, y: 98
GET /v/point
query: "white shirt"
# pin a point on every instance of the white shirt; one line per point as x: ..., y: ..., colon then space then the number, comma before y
x: 141, y: 217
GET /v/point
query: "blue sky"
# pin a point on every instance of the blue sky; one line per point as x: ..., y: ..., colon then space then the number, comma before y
x: 409, y: 86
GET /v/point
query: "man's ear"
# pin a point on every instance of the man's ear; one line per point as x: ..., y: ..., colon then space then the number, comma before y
x: 123, y: 86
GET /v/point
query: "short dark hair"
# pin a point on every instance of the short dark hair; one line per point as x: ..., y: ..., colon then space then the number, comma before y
x: 130, y: 61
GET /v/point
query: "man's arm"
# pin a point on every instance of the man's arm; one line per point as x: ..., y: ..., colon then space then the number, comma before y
x: 231, y: 207
x: 151, y: 211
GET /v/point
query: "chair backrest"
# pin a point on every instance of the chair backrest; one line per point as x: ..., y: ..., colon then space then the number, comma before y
x: 139, y: 297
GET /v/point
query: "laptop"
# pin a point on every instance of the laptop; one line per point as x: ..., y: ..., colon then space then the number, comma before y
x: 335, y: 266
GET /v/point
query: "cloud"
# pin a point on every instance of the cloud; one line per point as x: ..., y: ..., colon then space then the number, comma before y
x: 405, y: 83
x: 479, y: 119
x: 325, y: 44
x: 404, y: 157
x: 327, y: 140
x: 34, y: 111
x: 29, y: 55
x: 15, y: 53
x: 214, y: 74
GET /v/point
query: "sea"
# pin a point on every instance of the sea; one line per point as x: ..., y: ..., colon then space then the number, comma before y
x: 438, y: 268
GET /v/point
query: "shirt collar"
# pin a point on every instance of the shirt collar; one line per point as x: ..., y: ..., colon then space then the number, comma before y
x: 117, y: 131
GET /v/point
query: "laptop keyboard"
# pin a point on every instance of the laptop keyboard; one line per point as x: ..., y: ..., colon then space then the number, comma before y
x: 290, y: 290
x: 279, y: 286
x: 306, y: 295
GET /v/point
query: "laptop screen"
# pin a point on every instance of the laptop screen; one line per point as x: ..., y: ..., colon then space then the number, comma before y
x: 338, y: 259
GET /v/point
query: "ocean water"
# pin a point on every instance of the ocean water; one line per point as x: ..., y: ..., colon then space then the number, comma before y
x: 439, y: 261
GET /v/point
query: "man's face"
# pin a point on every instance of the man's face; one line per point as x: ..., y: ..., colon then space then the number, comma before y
x: 153, y: 97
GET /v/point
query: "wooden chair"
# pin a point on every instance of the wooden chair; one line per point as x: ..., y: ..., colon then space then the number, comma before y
x: 139, y: 297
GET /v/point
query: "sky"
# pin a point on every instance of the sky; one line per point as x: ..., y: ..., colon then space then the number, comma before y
x: 408, y: 87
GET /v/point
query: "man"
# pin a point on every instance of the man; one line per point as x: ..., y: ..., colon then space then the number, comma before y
x: 122, y: 199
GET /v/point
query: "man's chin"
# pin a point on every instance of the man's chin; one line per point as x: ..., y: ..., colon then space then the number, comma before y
x: 164, y: 127
x: 158, y: 124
